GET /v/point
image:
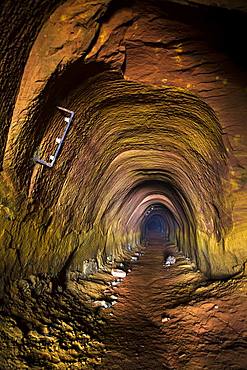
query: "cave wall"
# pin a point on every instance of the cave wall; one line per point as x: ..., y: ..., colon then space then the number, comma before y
x: 159, y: 95
x: 19, y: 27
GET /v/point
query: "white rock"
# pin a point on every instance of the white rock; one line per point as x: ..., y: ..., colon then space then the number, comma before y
x: 102, y: 304
x: 115, y: 283
x: 109, y: 258
x: 170, y: 260
x: 118, y: 273
x: 165, y: 319
x: 134, y: 258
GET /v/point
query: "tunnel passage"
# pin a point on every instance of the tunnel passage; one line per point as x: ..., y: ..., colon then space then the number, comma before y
x: 155, y: 226
x: 161, y: 214
x: 156, y: 153
x: 161, y: 221
x: 129, y: 147
x: 136, y: 139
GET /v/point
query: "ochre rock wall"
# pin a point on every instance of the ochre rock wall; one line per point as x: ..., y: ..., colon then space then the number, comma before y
x: 19, y: 26
x: 159, y: 97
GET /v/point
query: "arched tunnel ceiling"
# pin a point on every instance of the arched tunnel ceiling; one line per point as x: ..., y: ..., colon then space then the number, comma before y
x: 156, y: 119
x: 123, y: 134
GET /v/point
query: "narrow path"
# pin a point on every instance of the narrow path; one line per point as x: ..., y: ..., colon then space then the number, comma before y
x: 172, y: 318
x: 165, y: 318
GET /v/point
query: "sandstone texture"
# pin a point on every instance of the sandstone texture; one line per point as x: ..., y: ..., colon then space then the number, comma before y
x: 159, y: 95
x: 164, y: 317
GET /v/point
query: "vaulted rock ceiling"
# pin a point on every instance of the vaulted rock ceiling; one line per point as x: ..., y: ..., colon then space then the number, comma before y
x: 158, y: 89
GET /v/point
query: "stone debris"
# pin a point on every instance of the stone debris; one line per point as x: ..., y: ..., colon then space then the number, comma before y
x: 138, y: 254
x: 134, y: 258
x: 118, y: 273
x: 55, y: 332
x: 170, y: 261
x: 115, y: 283
x: 109, y: 258
x: 165, y: 319
x: 90, y: 267
x: 34, y: 285
x: 102, y: 304
x: 108, y: 302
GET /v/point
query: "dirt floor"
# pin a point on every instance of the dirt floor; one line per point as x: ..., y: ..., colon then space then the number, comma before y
x: 159, y: 317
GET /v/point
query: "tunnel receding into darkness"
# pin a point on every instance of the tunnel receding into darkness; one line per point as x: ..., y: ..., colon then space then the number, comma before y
x: 147, y: 156
x: 129, y: 148
x: 123, y: 184
x: 154, y: 228
x: 158, y: 225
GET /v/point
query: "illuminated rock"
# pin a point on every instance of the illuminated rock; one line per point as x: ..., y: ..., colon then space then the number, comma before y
x: 118, y: 273
x: 159, y: 102
x: 170, y: 261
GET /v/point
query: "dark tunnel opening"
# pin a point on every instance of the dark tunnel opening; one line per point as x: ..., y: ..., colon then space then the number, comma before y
x: 155, y: 225
x: 158, y: 225
x: 154, y: 228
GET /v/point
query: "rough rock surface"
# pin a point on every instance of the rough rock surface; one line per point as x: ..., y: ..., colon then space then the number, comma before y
x: 172, y: 318
x: 159, y: 91
x: 19, y: 26
x: 165, y: 317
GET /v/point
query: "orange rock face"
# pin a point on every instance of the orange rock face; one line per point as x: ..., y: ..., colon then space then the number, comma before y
x: 159, y: 96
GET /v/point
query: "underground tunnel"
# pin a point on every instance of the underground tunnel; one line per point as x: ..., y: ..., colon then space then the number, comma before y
x: 158, y: 225
x: 154, y: 227
x: 123, y: 185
